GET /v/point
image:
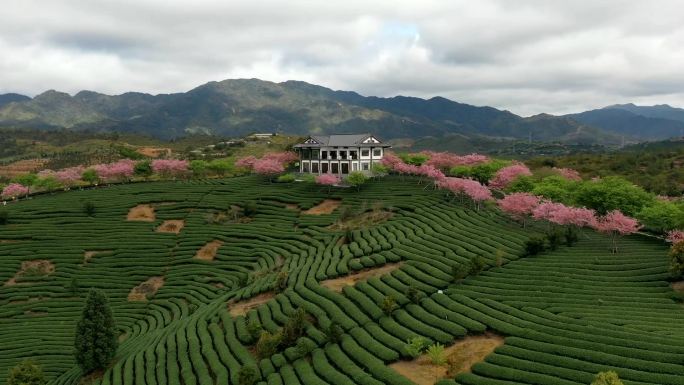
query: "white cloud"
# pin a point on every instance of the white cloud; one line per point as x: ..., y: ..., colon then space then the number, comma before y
x: 527, y: 56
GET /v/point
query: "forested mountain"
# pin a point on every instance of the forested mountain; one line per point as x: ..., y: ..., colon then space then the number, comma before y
x: 641, y: 122
x: 238, y: 107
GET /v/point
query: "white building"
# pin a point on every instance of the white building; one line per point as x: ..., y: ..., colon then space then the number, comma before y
x: 339, y: 154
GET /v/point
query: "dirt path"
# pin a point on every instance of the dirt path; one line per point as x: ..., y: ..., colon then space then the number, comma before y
x: 89, y: 254
x: 337, y: 284
x: 460, y: 357
x: 242, y: 307
x: 325, y: 207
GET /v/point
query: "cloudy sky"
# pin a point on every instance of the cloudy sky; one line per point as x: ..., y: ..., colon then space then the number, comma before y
x: 526, y: 56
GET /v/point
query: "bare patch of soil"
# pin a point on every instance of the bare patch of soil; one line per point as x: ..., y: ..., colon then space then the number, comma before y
x: 32, y: 313
x: 208, y: 251
x: 88, y: 255
x: 678, y: 286
x: 141, y: 213
x: 22, y: 167
x: 242, y: 307
x: 171, y: 226
x: 325, y: 207
x: 147, y: 288
x: 292, y: 206
x: 35, y: 268
x: 460, y: 357
x: 337, y: 284
x: 154, y: 152
x: 9, y: 241
x: 370, y: 218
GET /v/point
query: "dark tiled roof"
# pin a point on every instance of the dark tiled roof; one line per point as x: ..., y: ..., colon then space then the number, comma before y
x: 343, y: 140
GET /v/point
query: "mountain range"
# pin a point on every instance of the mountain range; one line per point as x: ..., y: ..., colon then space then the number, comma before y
x: 241, y: 106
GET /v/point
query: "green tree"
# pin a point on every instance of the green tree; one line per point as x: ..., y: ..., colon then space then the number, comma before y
x: 143, y: 168
x: 27, y: 372
x: 388, y: 305
x: 90, y: 176
x: 27, y: 180
x: 607, y: 378
x: 415, y: 346
x: 96, y: 337
x: 294, y: 327
x: 281, y: 281
x: 48, y: 183
x: 357, y: 179
x: 613, y: 193
x: 268, y: 344
x: 89, y: 209
x: 247, y: 375
x: 199, y: 168
x: 478, y: 264
x: 220, y: 167
x: 461, y: 271
x: 662, y: 216
x: 557, y: 189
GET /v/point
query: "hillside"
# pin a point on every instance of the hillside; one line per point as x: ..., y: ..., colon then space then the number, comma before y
x: 239, y: 107
x: 189, y: 299
x: 629, y: 122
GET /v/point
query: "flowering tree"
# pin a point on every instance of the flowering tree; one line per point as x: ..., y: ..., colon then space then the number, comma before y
x: 282, y: 157
x: 120, y: 170
x: 69, y: 176
x: 675, y: 236
x: 519, y: 205
x: 268, y: 167
x: 476, y: 191
x: 390, y: 160
x: 508, y: 174
x: 616, y: 223
x: 447, y: 160
x: 327, y: 180
x: 14, y: 191
x: 246, y: 162
x: 568, y: 173
x: 170, y: 167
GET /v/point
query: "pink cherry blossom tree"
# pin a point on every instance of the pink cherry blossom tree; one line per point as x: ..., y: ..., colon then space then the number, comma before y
x: 615, y: 223
x: 14, y: 191
x: 268, y: 167
x: 508, y: 174
x: 477, y: 192
x: 675, y: 236
x: 568, y: 173
x: 246, y: 162
x: 327, y: 180
x: 519, y: 205
x: 69, y: 176
x: 170, y: 167
x: 282, y: 157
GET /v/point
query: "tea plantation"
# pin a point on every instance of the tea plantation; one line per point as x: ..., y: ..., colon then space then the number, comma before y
x: 565, y: 315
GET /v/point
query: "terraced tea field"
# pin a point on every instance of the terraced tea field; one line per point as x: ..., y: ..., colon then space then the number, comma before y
x: 180, y: 286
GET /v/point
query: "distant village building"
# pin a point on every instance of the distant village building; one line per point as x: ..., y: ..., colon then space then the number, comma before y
x: 340, y: 154
x: 265, y: 135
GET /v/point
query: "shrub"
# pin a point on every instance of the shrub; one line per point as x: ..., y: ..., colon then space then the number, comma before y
x: 305, y: 346
x: 460, y: 271
x: 268, y: 344
x: 294, y: 327
x: 286, y: 178
x: 436, y: 354
x: 607, y: 378
x: 27, y: 372
x: 415, y: 346
x: 571, y: 236
x: 247, y: 375
x: 413, y: 294
x: 96, y: 339
x: 357, y: 179
x: 334, y: 333
x: 254, y: 328
x: 554, y: 239
x: 677, y: 259
x: 4, y: 217
x: 499, y: 257
x: 389, y: 304
x: 477, y: 265
x: 143, y: 168
x: 89, y: 209
x: 534, y: 246
x: 281, y: 281
x: 250, y: 208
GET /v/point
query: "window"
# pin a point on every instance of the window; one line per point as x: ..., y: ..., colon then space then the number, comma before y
x: 353, y: 154
x: 324, y: 168
x: 324, y: 154
x: 355, y: 166
x: 306, y: 154
x: 335, y: 168
x: 365, y: 166
x: 314, y: 168
x: 305, y: 166
x: 343, y: 154
x: 314, y: 154
x: 333, y: 154
x: 365, y: 152
x: 377, y: 152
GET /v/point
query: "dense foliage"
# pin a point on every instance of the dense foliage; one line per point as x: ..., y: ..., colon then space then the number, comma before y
x: 96, y: 334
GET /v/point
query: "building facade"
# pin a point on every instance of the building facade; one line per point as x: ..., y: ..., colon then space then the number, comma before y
x: 340, y: 154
